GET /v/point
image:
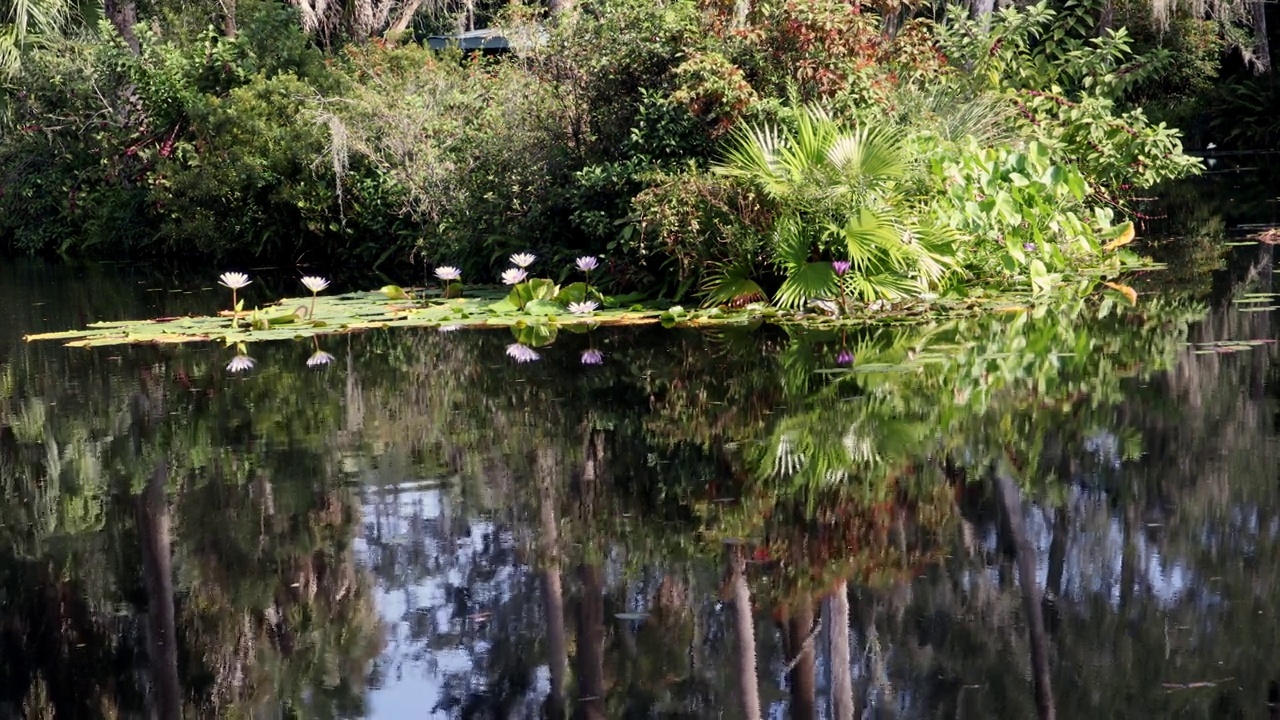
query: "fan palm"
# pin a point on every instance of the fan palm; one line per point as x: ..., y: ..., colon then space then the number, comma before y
x: 837, y: 195
x: 23, y: 20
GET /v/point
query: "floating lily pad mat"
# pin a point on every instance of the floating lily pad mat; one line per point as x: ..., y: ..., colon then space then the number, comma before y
x: 291, y: 318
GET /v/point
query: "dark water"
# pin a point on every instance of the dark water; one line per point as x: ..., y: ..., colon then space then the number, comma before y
x: 1071, y: 513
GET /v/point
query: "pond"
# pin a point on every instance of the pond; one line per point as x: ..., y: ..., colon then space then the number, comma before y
x: 1066, y: 512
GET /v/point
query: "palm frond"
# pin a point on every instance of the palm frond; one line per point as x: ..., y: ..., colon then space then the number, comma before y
x: 754, y: 154
x: 806, y: 153
x: 791, y: 243
x: 868, y: 156
x: 873, y: 244
x: 885, y: 286
x: 35, y: 16
x: 733, y: 286
x: 811, y: 280
x: 10, y: 58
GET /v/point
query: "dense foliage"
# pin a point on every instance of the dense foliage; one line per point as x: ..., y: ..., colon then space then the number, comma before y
x: 690, y: 145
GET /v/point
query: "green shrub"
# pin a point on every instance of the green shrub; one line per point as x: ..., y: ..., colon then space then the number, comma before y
x: 1022, y: 215
x: 1067, y: 85
x: 477, y: 150
x: 71, y: 174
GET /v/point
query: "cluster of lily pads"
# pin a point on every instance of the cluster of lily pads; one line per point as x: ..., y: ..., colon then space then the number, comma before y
x: 532, y: 294
x: 533, y: 309
x: 525, y: 289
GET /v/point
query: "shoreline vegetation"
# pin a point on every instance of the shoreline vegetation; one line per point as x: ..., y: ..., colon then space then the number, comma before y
x: 777, y: 155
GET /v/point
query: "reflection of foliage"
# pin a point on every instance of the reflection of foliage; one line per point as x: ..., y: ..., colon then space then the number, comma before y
x: 820, y: 472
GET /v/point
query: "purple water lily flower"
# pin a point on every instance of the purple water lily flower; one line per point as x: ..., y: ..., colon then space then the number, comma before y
x: 841, y: 266
x: 522, y: 353
x: 1029, y: 247
x: 844, y: 358
x: 592, y: 357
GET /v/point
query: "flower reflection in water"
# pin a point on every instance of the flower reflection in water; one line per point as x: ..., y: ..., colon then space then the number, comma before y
x: 592, y: 357
x: 844, y: 358
x: 319, y: 359
x: 522, y: 353
x: 240, y: 363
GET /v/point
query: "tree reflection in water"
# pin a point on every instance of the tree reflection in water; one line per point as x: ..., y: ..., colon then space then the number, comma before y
x: 1066, y: 512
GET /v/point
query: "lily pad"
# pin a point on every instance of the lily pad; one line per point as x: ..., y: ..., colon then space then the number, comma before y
x: 535, y: 304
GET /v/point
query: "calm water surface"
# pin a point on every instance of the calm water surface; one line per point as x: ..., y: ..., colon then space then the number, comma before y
x: 1070, y: 513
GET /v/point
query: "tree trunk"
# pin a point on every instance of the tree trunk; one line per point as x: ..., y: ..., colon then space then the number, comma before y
x: 1011, y: 501
x: 1106, y: 18
x: 741, y: 9
x: 982, y: 9
x: 590, y: 655
x: 362, y: 20
x: 152, y: 516
x: 744, y: 636
x: 228, y: 17
x: 1057, y: 567
x: 406, y: 17
x: 123, y: 14
x: 801, y: 655
x: 545, y: 468
x: 590, y: 649
x: 841, y: 657
x: 1128, y: 560
x: 1262, y: 43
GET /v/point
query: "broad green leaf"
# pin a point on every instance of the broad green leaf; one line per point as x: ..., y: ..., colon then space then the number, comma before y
x: 545, y: 307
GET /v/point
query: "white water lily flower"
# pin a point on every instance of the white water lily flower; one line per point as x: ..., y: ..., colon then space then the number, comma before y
x: 448, y: 273
x: 522, y: 353
x: 523, y: 260
x: 587, y: 263
x: 583, y: 308
x: 592, y: 357
x: 513, y: 276
x: 240, y: 363
x: 315, y: 283
x: 234, y: 280
x: 449, y: 328
x: 319, y: 359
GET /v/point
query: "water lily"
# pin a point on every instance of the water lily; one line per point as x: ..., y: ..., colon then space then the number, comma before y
x: 844, y: 358
x: 234, y: 281
x: 513, y: 276
x: 315, y: 284
x: 587, y: 263
x: 240, y: 363
x: 522, y: 353
x: 449, y: 328
x: 583, y: 308
x: 449, y: 277
x: 840, y: 267
x: 592, y: 357
x: 319, y: 358
x: 523, y: 260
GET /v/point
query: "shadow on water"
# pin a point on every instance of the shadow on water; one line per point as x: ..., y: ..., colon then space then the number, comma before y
x: 1070, y: 513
